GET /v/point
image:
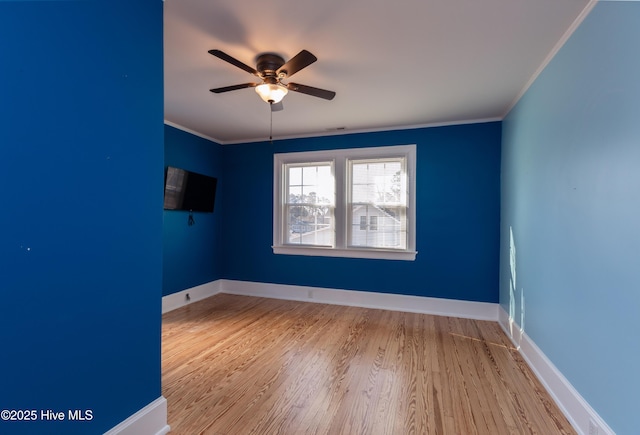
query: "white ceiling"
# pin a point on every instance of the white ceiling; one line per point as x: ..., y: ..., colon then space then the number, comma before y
x: 393, y: 64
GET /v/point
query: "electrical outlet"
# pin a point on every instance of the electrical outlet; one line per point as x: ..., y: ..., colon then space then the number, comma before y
x: 187, y: 297
x: 594, y: 429
x: 310, y: 294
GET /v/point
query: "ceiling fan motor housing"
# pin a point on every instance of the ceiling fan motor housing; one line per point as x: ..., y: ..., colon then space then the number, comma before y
x: 268, y: 64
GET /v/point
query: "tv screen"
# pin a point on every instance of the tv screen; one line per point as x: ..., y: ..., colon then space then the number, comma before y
x: 186, y: 190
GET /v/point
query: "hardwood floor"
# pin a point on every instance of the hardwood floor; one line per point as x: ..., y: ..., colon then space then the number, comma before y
x: 245, y: 365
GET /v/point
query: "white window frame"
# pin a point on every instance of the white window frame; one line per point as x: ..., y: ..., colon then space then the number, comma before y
x: 340, y: 159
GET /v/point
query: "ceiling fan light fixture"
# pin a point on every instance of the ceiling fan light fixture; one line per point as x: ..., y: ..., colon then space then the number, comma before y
x: 271, y: 93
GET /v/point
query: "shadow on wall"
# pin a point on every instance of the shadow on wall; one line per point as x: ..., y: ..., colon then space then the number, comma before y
x: 519, y: 327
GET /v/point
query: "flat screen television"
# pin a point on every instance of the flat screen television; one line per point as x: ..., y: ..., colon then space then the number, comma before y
x: 190, y: 191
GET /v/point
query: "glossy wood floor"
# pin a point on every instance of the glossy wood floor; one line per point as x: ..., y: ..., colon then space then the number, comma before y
x: 245, y: 365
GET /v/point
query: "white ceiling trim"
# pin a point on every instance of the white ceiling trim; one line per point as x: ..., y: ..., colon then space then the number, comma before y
x: 193, y: 132
x: 347, y: 131
x: 565, y: 37
x: 333, y: 132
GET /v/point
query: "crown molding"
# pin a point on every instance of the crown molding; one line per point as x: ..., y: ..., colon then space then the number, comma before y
x: 556, y: 48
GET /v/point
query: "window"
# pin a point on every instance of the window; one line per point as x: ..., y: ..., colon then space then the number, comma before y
x: 378, y: 191
x: 373, y: 223
x: 308, y: 204
x: 349, y: 203
x: 363, y: 223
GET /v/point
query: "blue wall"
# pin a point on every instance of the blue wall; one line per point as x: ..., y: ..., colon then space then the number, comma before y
x: 81, y: 144
x: 191, y: 253
x: 458, y: 194
x: 571, y: 195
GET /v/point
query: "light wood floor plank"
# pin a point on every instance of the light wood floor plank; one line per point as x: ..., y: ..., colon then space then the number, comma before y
x: 245, y: 365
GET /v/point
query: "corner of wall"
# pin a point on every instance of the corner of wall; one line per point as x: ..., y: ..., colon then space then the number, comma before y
x: 152, y: 420
x: 584, y: 419
x: 190, y: 295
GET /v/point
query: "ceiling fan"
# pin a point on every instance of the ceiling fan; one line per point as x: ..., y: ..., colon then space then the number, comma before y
x: 272, y: 69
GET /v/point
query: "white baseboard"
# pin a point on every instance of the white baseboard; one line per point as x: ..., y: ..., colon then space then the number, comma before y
x: 190, y: 295
x: 584, y: 419
x: 385, y: 301
x: 150, y: 420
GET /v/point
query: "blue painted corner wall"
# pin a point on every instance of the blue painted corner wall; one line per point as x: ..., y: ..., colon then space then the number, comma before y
x: 570, y: 238
x: 81, y: 149
x: 191, y: 254
x: 458, y: 196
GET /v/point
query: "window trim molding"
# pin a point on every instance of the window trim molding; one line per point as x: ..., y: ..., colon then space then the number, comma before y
x: 339, y: 157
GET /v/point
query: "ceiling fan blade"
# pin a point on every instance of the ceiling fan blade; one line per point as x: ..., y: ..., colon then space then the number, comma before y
x: 310, y: 90
x: 276, y: 107
x: 297, y: 62
x: 233, y: 87
x: 233, y: 61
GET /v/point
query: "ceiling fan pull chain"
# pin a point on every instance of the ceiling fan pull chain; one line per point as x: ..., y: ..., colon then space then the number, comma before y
x: 271, y: 122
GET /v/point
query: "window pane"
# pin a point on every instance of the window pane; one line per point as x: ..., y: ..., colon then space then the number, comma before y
x: 378, y: 197
x: 308, y: 225
x: 310, y: 175
x: 309, y: 211
x: 295, y: 176
x: 386, y: 229
x: 295, y: 194
x: 377, y: 182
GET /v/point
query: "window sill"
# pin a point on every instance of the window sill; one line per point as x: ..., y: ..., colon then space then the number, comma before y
x: 380, y: 254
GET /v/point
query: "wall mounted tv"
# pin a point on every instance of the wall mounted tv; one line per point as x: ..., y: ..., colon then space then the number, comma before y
x: 186, y: 190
